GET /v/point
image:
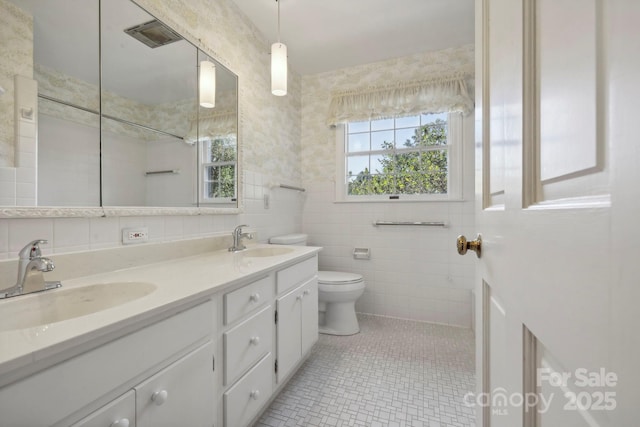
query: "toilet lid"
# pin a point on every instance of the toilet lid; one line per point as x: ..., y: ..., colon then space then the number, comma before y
x: 338, y: 278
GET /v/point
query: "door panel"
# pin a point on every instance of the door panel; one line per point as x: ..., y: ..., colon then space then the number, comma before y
x: 566, y: 50
x: 500, y: 78
x: 563, y: 403
x: 623, y: 70
x: 544, y: 108
x: 499, y: 350
x: 565, y: 120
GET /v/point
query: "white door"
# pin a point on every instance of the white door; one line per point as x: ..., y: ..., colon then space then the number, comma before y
x: 558, y: 194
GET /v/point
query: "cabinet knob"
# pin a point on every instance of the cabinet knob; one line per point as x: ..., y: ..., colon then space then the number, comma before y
x: 255, y: 394
x: 124, y: 422
x: 159, y: 397
x: 306, y: 292
x: 299, y: 298
x: 255, y: 297
x: 254, y: 340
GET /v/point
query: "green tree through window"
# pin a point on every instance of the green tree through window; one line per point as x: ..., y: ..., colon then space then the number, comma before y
x: 418, y: 165
x: 219, y: 168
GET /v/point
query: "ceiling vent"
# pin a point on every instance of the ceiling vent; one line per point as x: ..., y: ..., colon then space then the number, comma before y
x: 153, y: 34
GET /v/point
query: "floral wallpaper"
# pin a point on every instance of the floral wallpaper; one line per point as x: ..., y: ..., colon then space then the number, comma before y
x: 16, y: 51
x: 270, y: 125
x: 318, y: 140
x: 177, y: 118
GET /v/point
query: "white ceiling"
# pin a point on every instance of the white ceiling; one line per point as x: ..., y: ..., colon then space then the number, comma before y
x: 324, y: 35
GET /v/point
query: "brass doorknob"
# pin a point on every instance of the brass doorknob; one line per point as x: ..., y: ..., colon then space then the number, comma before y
x: 475, y: 245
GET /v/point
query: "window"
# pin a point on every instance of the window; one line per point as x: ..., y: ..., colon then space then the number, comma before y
x: 402, y: 158
x: 219, y: 170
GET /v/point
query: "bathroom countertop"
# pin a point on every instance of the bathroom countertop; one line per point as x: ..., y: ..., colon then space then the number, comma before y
x: 178, y: 282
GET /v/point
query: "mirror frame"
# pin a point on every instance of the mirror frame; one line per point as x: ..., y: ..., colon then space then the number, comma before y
x: 117, y: 211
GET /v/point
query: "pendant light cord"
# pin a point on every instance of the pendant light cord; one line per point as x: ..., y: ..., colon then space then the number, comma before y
x: 278, y: 20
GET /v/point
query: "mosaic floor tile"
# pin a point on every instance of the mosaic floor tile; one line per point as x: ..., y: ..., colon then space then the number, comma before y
x: 393, y: 373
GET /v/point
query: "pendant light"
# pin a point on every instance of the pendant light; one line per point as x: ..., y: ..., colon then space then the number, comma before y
x: 207, y: 84
x: 278, y: 64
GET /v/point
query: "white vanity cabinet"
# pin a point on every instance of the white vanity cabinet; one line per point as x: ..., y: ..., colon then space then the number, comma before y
x: 180, y: 394
x: 119, y: 413
x: 270, y: 325
x: 213, y: 355
x: 174, y: 354
x: 297, y: 308
x: 248, y: 351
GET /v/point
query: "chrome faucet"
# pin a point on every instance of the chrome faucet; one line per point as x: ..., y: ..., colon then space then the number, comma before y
x: 31, y: 265
x: 238, y: 235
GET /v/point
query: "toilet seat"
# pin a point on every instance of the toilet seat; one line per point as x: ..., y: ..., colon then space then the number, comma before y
x: 338, y: 278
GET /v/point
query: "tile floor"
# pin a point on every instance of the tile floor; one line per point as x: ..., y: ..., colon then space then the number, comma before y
x: 393, y: 373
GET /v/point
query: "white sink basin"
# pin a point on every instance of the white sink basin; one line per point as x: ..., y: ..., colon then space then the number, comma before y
x: 62, y: 304
x: 263, y: 252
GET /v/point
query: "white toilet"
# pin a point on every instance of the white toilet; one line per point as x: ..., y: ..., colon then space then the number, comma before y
x: 337, y: 294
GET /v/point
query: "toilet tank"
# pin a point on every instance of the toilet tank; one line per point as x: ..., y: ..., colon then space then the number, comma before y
x: 289, y: 239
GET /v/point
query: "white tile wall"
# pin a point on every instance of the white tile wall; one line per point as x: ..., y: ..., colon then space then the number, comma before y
x: 68, y: 162
x: 77, y: 234
x: 414, y: 272
x: 124, y: 158
x: 283, y: 214
x: 18, y: 185
x: 7, y: 186
x: 170, y: 189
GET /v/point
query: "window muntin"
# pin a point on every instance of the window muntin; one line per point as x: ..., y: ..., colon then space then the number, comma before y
x: 408, y: 156
x: 219, y: 170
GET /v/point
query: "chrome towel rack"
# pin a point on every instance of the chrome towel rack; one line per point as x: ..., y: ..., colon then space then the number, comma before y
x: 291, y: 187
x: 168, y: 171
x: 413, y: 223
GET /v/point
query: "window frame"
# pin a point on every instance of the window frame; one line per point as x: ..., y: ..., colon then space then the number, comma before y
x: 454, y: 180
x: 205, y: 143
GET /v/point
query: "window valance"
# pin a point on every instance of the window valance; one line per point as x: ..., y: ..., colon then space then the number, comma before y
x: 438, y: 95
x: 217, y: 124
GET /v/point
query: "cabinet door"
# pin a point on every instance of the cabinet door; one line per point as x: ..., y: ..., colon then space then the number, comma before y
x: 119, y: 413
x: 288, y: 332
x: 181, y: 394
x: 309, y: 320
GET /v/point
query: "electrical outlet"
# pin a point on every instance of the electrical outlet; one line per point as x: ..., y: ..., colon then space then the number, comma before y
x: 131, y: 236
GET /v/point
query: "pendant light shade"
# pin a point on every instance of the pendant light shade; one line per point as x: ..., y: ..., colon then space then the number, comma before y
x: 278, y: 69
x: 207, y: 84
x: 278, y: 64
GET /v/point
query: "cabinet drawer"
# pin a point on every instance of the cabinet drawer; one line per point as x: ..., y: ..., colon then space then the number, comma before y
x: 119, y: 413
x: 243, y: 401
x: 296, y: 274
x: 246, y: 343
x: 246, y: 299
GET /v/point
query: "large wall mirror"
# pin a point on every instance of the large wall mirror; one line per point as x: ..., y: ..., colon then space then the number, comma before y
x: 128, y: 115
